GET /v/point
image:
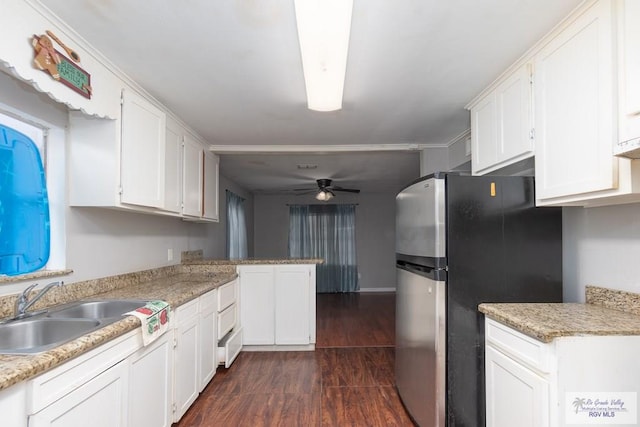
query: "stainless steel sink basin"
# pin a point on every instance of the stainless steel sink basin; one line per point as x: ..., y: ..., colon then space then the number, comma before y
x: 40, y: 334
x: 62, y: 324
x: 99, y: 309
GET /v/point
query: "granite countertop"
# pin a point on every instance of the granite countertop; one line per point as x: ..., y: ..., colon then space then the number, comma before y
x: 176, y: 290
x: 546, y: 321
x: 249, y: 261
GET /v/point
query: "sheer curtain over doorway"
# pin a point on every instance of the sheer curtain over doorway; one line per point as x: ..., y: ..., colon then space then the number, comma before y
x: 236, y: 227
x: 327, y: 232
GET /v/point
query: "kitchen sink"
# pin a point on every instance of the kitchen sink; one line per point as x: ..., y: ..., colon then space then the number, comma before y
x: 58, y: 325
x: 40, y: 334
x: 99, y: 309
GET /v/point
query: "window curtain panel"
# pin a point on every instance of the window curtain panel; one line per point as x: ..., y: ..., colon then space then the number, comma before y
x: 236, y: 227
x: 327, y: 232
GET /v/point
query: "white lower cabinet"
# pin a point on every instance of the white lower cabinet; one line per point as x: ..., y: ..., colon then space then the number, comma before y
x: 102, y: 402
x: 150, y: 384
x: 13, y: 405
x: 208, y: 361
x: 277, y: 304
x: 293, y: 304
x: 185, y: 373
x: 229, y: 329
x: 536, y: 384
x: 123, y: 383
x: 257, y: 294
x: 516, y: 396
x: 195, y: 352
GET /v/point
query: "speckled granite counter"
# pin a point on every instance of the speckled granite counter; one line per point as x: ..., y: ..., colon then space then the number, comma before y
x: 176, y: 289
x: 250, y: 261
x: 546, y: 321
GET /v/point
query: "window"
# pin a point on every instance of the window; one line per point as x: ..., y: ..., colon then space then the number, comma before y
x: 31, y: 218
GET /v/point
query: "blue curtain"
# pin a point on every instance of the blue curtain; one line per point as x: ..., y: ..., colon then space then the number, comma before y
x: 236, y: 227
x: 327, y: 232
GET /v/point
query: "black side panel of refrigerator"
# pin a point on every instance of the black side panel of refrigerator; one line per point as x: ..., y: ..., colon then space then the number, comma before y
x: 500, y: 248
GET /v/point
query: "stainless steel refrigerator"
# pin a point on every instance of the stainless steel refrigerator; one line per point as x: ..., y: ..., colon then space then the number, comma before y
x: 461, y: 241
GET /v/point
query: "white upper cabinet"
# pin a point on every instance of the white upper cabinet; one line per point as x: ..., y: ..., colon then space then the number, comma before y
x: 193, y: 156
x: 568, y: 101
x: 119, y: 163
x: 200, y: 182
x: 501, y: 126
x: 574, y: 105
x: 629, y: 70
x: 210, y: 186
x: 173, y: 167
x: 142, y: 152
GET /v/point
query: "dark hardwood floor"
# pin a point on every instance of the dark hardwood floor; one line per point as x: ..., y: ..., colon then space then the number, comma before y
x: 347, y: 381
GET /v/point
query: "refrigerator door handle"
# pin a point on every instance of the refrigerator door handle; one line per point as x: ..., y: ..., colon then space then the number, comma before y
x: 422, y: 270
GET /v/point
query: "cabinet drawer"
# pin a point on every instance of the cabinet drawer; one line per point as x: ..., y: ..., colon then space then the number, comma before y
x: 527, y: 350
x: 208, y: 302
x: 226, y: 320
x: 229, y: 348
x: 58, y: 382
x: 227, y: 294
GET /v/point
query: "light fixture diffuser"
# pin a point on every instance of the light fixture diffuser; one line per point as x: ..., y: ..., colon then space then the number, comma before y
x: 323, y: 33
x: 324, y: 195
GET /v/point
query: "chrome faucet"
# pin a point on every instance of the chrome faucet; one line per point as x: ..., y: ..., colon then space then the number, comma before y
x: 23, y: 303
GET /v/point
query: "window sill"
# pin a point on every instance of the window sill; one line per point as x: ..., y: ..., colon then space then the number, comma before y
x: 35, y: 275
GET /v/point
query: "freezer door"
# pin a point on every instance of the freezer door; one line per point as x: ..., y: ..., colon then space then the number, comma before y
x: 420, y: 216
x: 420, y: 346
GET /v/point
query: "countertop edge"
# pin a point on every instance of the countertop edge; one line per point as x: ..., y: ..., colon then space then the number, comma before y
x: 535, y: 322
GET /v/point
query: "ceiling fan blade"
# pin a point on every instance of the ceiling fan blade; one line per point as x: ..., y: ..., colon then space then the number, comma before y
x: 345, y: 190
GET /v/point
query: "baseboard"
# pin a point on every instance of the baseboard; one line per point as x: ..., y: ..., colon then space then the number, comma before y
x: 309, y: 347
x: 377, y: 290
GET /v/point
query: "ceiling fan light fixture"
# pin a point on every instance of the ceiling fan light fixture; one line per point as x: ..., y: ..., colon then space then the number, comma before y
x: 323, y: 33
x: 324, y: 195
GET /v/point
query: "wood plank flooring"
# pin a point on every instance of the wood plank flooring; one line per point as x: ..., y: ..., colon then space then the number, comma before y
x: 347, y: 381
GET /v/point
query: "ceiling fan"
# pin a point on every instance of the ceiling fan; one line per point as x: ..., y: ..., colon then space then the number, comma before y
x: 326, y: 191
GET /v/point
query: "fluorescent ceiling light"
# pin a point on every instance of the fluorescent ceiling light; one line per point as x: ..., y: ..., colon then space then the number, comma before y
x: 323, y: 33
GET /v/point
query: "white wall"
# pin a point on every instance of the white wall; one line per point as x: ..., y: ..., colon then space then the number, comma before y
x: 601, y: 247
x: 375, y: 232
x: 453, y: 156
x: 102, y: 242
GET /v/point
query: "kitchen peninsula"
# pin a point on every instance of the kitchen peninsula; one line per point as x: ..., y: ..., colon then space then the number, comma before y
x: 277, y: 300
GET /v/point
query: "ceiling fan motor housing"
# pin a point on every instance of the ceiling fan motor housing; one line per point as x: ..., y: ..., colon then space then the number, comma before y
x: 324, y: 183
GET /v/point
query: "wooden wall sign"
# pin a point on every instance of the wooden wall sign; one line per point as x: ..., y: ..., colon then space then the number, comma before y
x: 61, y: 68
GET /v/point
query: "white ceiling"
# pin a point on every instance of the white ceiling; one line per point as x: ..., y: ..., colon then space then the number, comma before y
x: 232, y: 69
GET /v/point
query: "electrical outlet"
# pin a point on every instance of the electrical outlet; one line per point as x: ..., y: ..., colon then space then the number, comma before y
x: 170, y: 254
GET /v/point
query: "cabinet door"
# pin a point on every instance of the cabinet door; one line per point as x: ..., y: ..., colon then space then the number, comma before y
x: 186, y: 364
x: 257, y: 305
x: 515, y: 395
x: 192, y: 177
x: 173, y: 168
x: 573, y: 108
x: 101, y: 402
x: 629, y: 76
x: 292, y: 304
x: 208, y: 347
x: 484, y: 134
x: 150, y: 385
x: 211, y: 192
x: 514, y: 116
x: 142, y: 152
